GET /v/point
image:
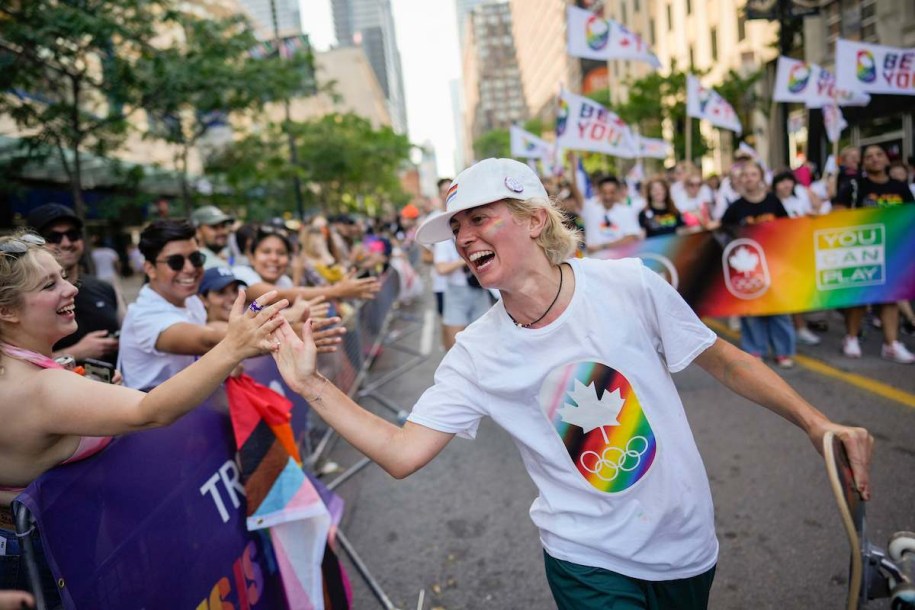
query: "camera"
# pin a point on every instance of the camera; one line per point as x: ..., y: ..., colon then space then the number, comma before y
x: 98, y: 370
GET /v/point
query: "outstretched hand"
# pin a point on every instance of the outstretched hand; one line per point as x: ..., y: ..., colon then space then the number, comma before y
x: 251, y: 328
x: 859, y: 445
x: 296, y: 358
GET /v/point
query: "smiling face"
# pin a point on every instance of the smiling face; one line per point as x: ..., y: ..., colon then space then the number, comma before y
x: 67, y: 251
x: 175, y: 286
x: 270, y: 258
x: 219, y: 302
x: 47, y: 310
x: 215, y: 237
x: 875, y: 161
x: 494, y: 242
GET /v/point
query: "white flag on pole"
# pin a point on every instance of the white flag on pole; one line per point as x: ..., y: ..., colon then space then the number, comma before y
x: 653, y: 148
x: 706, y: 103
x: 592, y: 37
x: 583, y: 124
x: 875, y: 68
x: 825, y: 91
x: 834, y: 122
x: 525, y: 145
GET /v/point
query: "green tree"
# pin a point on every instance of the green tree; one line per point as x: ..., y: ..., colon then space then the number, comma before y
x: 495, y: 143
x: 210, y: 76
x: 67, y: 69
x: 346, y: 163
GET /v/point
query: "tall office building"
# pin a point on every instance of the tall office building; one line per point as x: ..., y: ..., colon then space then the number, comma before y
x: 288, y: 19
x: 463, y: 9
x: 492, y: 83
x: 370, y: 25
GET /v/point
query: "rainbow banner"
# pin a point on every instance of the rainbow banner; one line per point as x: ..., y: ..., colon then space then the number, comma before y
x: 791, y: 265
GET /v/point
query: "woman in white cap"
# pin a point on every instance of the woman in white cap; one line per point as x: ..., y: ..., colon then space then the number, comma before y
x: 575, y: 363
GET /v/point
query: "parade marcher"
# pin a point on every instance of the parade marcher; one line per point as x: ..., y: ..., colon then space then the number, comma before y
x: 875, y: 189
x: 98, y: 310
x: 213, y: 228
x: 575, y: 363
x: 756, y: 206
x: 695, y: 203
x: 609, y: 222
x: 71, y: 417
x: 660, y: 216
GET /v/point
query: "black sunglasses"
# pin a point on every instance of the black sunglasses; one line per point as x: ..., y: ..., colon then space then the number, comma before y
x: 17, y: 246
x: 56, y: 237
x: 175, y: 262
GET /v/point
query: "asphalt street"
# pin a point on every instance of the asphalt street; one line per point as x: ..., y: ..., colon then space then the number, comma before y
x: 458, y: 530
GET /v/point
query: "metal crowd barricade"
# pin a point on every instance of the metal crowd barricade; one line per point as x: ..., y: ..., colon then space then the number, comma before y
x: 190, y: 445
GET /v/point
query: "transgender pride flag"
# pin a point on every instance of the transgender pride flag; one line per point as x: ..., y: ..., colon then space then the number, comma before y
x: 279, y: 495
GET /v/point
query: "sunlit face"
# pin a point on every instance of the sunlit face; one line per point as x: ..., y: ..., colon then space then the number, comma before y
x: 492, y: 241
x: 875, y: 160
x: 214, y: 237
x: 219, y: 302
x: 852, y: 158
x: 67, y: 251
x: 897, y: 172
x: 270, y: 258
x: 48, y: 312
x: 175, y: 286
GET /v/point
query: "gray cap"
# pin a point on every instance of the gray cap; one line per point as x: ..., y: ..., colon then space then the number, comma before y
x: 209, y: 215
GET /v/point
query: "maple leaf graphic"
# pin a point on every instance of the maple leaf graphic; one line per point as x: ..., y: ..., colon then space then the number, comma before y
x: 743, y: 261
x: 592, y: 413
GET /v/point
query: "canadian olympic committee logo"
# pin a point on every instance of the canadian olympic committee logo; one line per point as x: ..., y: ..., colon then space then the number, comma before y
x: 746, y: 273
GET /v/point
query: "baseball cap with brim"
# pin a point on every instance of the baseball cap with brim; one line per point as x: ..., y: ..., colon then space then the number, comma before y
x: 218, y: 278
x: 209, y: 215
x: 485, y: 182
x: 49, y: 213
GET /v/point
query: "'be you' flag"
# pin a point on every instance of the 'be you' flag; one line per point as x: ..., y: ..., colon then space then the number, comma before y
x: 592, y: 37
x: 653, y: 148
x: 525, y: 145
x: 875, y: 68
x: 812, y: 85
x: 705, y: 103
x: 583, y: 124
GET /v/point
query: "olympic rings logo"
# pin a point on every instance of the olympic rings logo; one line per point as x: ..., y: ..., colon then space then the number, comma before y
x: 607, y: 465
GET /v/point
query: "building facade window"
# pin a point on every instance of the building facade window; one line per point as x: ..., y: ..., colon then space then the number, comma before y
x: 670, y: 18
x: 741, y: 26
x: 714, y: 40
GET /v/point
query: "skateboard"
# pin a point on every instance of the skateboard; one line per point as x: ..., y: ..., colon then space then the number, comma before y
x: 873, y: 572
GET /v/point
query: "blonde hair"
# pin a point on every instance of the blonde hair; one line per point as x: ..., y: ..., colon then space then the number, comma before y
x: 558, y: 241
x: 19, y: 272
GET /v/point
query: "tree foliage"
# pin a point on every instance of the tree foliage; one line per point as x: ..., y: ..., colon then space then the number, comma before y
x: 345, y: 163
x: 67, y: 68
x: 495, y: 143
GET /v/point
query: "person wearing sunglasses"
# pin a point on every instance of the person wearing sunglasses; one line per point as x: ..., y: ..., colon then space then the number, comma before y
x: 52, y: 415
x: 165, y: 330
x: 99, y: 311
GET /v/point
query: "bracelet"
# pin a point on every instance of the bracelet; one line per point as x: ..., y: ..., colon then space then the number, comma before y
x: 317, y: 396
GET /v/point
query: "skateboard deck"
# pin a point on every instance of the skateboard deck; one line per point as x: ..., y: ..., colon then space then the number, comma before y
x: 851, y: 510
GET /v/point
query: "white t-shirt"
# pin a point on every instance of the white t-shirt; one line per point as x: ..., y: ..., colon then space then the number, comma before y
x: 681, y: 196
x: 446, y: 252
x: 645, y: 510
x: 105, y: 261
x: 727, y: 195
x: 604, y: 226
x: 141, y: 364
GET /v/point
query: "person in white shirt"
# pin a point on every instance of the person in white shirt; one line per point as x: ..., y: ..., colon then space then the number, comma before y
x: 695, y: 201
x: 575, y: 363
x: 798, y: 200
x: 608, y: 221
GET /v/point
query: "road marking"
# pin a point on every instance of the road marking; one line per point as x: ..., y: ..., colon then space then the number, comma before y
x: 425, y: 342
x: 818, y: 366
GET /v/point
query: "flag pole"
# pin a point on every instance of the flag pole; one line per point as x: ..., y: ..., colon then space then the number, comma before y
x: 689, y: 138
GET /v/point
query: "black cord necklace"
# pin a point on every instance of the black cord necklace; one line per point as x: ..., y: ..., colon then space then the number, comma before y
x: 556, y: 298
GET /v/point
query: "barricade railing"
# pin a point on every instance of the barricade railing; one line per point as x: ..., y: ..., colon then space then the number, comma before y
x: 157, y: 520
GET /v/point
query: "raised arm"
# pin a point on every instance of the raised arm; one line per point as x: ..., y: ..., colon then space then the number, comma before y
x: 73, y: 405
x: 749, y: 377
x: 399, y: 451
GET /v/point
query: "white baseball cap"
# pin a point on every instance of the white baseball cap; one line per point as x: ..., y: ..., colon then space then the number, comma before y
x: 484, y: 182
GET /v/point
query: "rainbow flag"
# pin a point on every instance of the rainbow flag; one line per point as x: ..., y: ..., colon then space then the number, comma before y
x: 790, y: 265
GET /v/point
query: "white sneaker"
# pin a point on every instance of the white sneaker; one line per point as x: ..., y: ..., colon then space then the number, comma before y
x: 807, y: 337
x: 850, y: 347
x: 897, y: 353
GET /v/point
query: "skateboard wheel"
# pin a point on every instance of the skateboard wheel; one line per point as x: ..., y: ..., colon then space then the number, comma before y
x: 903, y: 597
x: 901, y: 543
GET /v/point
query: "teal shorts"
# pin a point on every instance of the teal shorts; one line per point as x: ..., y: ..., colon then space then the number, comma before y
x: 577, y: 587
